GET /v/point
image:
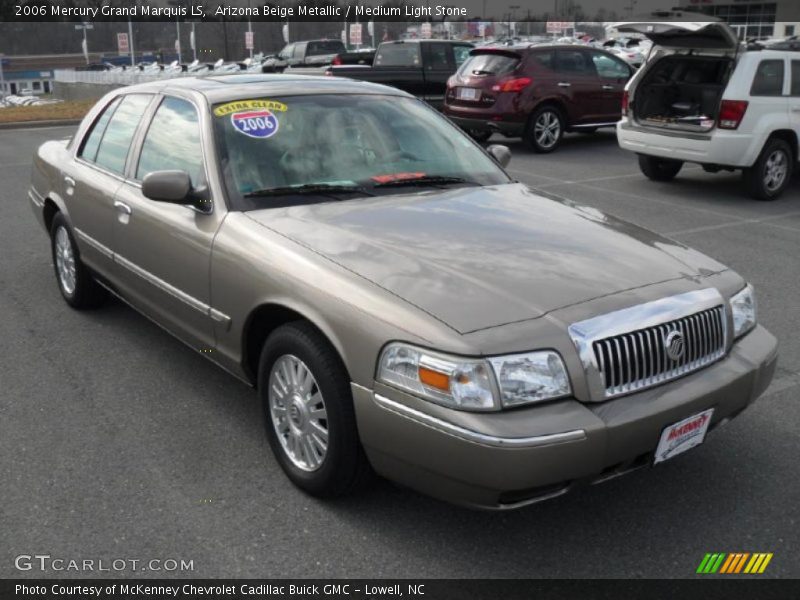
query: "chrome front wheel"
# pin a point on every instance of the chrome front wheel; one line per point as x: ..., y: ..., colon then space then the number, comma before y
x: 298, y: 412
x: 65, y: 260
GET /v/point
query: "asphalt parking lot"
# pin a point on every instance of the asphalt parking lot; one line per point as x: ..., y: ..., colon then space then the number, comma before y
x: 116, y: 441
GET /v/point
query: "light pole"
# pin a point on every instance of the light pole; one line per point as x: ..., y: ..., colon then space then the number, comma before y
x: 130, y: 43
x: 85, y: 45
x: 514, y: 8
x: 193, y: 43
x: 250, y: 27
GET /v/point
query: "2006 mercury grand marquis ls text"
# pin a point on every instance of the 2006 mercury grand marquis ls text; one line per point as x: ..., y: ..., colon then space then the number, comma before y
x: 401, y: 304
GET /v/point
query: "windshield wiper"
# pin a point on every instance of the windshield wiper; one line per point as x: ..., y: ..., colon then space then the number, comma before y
x: 310, y: 189
x: 427, y: 180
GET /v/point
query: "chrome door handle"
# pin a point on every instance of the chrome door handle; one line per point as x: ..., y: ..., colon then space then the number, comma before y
x: 564, y: 84
x: 608, y: 87
x: 122, y: 207
x: 69, y: 181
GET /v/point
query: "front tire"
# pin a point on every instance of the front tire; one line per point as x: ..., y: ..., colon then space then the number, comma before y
x: 659, y: 169
x: 769, y: 176
x: 308, y: 412
x: 75, y: 281
x: 545, y: 130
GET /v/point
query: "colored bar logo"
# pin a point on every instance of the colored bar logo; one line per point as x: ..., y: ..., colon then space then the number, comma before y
x: 734, y: 563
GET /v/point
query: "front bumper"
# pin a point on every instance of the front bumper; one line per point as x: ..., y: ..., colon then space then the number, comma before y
x: 514, y: 458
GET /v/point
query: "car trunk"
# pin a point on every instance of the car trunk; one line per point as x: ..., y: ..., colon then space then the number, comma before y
x: 484, y: 70
x: 682, y: 91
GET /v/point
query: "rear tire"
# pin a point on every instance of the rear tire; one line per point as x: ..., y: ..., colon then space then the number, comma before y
x: 772, y: 172
x: 308, y: 412
x: 659, y: 169
x: 75, y: 281
x: 545, y: 130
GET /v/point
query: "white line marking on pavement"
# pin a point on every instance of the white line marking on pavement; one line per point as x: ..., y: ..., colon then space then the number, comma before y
x: 761, y: 221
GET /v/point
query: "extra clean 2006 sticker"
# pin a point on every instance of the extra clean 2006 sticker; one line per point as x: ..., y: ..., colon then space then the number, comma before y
x: 253, y: 118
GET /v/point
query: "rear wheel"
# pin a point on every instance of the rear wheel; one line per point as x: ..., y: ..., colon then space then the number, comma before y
x: 769, y: 176
x: 545, y: 129
x: 659, y: 169
x: 308, y: 409
x: 75, y: 281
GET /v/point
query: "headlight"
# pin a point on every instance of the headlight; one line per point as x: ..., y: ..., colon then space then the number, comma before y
x: 533, y: 377
x: 743, y: 309
x: 474, y: 384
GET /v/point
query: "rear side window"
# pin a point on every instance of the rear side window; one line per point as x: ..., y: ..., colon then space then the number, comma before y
x: 610, y: 68
x: 173, y: 142
x: 316, y: 48
x: 574, y: 62
x: 92, y: 141
x: 769, y: 79
x: 398, y: 55
x: 796, y: 78
x: 116, y: 141
x: 544, y: 59
x: 489, y: 64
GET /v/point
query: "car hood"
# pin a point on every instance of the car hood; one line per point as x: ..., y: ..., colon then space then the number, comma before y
x: 486, y: 256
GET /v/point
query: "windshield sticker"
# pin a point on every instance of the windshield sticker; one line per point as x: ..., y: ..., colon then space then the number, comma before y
x: 249, y: 105
x: 396, y: 177
x: 255, y: 123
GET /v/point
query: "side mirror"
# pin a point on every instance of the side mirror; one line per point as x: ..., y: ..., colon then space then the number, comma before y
x: 501, y: 154
x: 174, y: 187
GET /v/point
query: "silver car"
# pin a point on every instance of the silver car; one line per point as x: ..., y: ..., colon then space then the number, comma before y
x: 400, y: 303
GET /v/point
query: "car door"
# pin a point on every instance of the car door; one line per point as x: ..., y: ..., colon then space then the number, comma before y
x: 439, y: 66
x: 579, y: 86
x: 794, y: 100
x: 93, y: 178
x: 613, y: 74
x: 163, y: 250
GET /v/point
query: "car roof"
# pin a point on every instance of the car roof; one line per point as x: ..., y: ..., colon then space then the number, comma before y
x: 224, y: 88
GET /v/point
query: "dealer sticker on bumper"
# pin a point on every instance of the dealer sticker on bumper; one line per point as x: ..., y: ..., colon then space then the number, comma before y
x: 683, y: 435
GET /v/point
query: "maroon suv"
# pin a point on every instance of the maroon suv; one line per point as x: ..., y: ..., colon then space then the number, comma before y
x: 537, y: 92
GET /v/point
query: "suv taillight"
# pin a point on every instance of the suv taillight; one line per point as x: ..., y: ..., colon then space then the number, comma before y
x: 516, y: 84
x: 731, y: 113
x: 625, y: 101
x: 337, y: 60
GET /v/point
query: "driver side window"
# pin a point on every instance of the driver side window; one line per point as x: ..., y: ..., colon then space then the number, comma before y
x: 173, y: 142
x: 287, y: 52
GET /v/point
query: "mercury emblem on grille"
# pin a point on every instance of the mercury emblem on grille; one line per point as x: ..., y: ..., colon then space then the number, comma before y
x: 674, y: 345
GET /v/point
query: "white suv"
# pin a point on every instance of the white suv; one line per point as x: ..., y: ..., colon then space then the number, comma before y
x: 704, y: 97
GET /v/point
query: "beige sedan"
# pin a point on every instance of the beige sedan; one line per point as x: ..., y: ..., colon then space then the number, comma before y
x: 400, y: 303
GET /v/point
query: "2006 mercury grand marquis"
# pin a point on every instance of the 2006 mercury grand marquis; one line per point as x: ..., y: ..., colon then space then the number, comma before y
x: 401, y: 304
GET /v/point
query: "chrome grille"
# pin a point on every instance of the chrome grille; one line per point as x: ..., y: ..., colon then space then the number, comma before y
x: 639, y: 359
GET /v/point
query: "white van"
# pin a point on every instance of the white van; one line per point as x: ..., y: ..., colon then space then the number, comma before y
x: 705, y: 97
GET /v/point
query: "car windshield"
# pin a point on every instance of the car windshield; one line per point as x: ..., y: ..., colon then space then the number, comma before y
x: 316, y: 148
